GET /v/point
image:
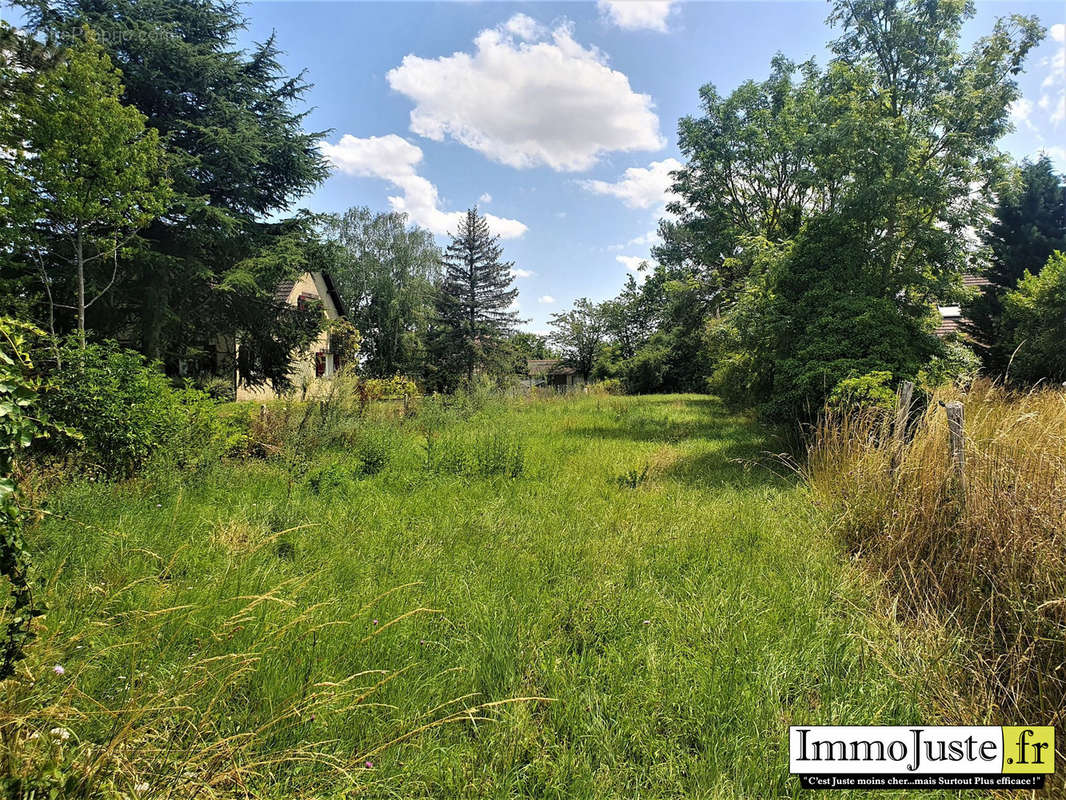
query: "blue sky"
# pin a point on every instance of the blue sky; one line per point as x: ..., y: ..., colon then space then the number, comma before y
x: 559, y: 119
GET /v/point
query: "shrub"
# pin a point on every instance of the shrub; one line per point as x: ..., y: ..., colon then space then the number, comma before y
x: 373, y: 449
x: 863, y: 392
x: 610, y: 386
x: 1035, y: 319
x: 218, y: 388
x: 482, y: 455
x: 124, y: 408
x: 957, y: 365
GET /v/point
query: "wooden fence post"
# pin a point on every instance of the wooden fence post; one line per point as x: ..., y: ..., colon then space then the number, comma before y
x: 957, y: 445
x: 899, y: 428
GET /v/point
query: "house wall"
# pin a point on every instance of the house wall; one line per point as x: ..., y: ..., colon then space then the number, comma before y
x: 303, y: 366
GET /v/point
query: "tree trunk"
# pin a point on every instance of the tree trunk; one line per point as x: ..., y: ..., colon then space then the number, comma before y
x: 81, y: 290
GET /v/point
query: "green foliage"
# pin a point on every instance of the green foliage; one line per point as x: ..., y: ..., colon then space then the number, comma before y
x: 1034, y: 318
x: 124, y: 409
x: 218, y: 388
x: 20, y: 425
x: 237, y: 151
x: 93, y: 170
x: 385, y: 272
x: 958, y: 364
x: 474, y: 317
x: 863, y: 392
x: 820, y: 265
x: 578, y: 336
x: 1028, y: 225
x: 373, y: 448
x: 460, y: 452
x: 632, y: 478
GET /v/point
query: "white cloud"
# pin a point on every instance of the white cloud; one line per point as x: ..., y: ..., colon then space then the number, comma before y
x: 1057, y: 154
x: 524, y: 27
x: 1020, y: 111
x: 485, y: 198
x: 392, y: 158
x: 1058, y: 32
x: 634, y: 15
x: 546, y: 299
x: 633, y: 263
x: 526, y: 102
x: 522, y: 273
x: 640, y: 187
x: 1059, y: 114
x: 651, y: 237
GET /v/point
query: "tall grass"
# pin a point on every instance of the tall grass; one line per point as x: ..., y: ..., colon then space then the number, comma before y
x: 992, y: 561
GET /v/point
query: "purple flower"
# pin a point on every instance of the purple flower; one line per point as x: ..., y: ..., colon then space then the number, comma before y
x: 58, y: 669
x: 369, y: 764
x: 375, y: 622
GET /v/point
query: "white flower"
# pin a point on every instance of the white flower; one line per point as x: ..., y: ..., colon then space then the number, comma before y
x: 60, y: 733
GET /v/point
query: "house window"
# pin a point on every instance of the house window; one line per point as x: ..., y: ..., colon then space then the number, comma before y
x: 305, y: 301
x: 320, y: 363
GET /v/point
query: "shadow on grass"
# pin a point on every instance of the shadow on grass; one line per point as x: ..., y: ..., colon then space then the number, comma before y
x: 738, y: 451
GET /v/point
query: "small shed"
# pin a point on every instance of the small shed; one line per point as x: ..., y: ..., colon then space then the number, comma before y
x: 551, y: 373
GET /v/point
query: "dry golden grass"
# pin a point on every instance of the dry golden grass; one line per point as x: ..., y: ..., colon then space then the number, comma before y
x: 992, y: 562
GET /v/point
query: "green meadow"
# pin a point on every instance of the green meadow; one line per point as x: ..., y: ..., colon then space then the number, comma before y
x: 583, y: 596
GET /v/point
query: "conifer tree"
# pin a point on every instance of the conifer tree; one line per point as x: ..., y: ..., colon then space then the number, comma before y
x: 475, y: 313
x: 1029, y: 225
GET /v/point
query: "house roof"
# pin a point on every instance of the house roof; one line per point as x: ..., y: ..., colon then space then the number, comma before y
x: 284, y: 289
x: 547, y: 366
x: 951, y: 317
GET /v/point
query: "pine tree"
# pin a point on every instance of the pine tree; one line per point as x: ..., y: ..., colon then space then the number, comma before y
x: 475, y: 314
x: 1029, y: 225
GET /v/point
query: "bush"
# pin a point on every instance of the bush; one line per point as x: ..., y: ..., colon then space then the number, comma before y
x: 218, y: 388
x: 1034, y: 317
x: 863, y: 392
x: 124, y: 408
x: 958, y: 365
x: 610, y: 386
x: 480, y: 456
x: 373, y: 449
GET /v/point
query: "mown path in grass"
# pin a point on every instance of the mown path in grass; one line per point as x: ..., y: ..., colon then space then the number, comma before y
x: 680, y: 604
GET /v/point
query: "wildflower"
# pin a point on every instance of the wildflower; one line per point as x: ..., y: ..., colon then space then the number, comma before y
x: 60, y: 733
x: 369, y: 764
x: 58, y: 669
x: 375, y: 622
x: 141, y: 788
x: 647, y: 622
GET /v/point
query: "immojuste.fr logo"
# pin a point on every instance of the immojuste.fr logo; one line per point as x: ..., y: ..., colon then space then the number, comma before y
x: 922, y: 757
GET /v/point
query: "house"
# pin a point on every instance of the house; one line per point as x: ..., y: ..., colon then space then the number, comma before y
x: 319, y: 359
x: 951, y: 319
x: 551, y: 373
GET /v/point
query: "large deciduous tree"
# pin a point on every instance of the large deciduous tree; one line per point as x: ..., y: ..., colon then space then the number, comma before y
x: 578, y: 335
x: 888, y: 161
x: 237, y: 153
x: 386, y: 272
x: 475, y: 305
x: 93, y: 174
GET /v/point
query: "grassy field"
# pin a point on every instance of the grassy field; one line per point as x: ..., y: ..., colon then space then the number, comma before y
x: 628, y: 559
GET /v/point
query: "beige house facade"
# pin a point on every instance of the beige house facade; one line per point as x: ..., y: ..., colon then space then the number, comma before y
x: 318, y: 360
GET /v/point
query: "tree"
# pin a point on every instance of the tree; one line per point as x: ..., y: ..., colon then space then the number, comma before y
x: 525, y: 346
x: 385, y: 272
x: 891, y: 155
x: 1034, y: 319
x: 237, y: 152
x: 92, y: 168
x: 475, y: 314
x: 1029, y: 224
x: 578, y: 334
